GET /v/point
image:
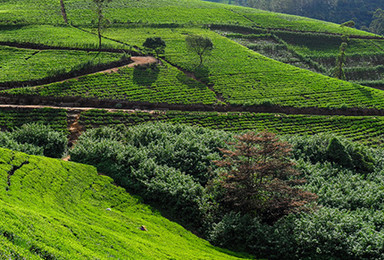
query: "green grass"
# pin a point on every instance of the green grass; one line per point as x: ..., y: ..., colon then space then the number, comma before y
x: 26, y: 64
x: 51, y: 209
x: 367, y: 130
x: 267, y: 19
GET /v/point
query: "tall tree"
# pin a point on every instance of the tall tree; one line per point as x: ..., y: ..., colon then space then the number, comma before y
x: 338, y: 71
x: 377, y: 25
x: 100, y: 5
x: 259, y: 178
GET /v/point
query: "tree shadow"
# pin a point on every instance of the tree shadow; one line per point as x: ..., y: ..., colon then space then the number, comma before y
x: 200, y: 74
x: 145, y: 75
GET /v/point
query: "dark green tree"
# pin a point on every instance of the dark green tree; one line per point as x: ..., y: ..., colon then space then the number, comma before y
x: 100, y: 5
x: 377, y: 25
x: 200, y: 45
x: 155, y: 44
x: 350, y: 24
x: 338, y: 71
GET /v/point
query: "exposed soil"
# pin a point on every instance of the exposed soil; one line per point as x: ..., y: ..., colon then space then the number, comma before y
x: 141, y: 61
x: 75, y: 129
x: 111, y: 68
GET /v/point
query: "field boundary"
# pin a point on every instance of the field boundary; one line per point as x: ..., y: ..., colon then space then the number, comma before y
x: 123, y: 105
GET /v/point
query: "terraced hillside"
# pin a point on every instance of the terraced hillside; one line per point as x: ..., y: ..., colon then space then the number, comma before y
x: 232, y: 75
x: 367, y: 130
x: 266, y: 71
x: 52, y: 209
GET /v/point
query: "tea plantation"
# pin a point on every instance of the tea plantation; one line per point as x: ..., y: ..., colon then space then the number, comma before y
x: 160, y: 129
x: 52, y: 209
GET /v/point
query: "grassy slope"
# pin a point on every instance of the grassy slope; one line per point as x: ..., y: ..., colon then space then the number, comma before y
x: 12, y: 118
x: 257, y: 79
x: 25, y: 64
x: 165, y: 84
x: 57, y: 209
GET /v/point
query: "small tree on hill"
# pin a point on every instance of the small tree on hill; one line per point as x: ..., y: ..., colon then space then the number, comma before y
x: 199, y: 45
x: 338, y: 71
x: 259, y: 179
x: 350, y: 24
x: 155, y: 44
x: 101, y: 21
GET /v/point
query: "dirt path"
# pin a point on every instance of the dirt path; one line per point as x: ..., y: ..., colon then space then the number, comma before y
x: 140, y: 61
x: 137, y: 61
x: 75, y: 109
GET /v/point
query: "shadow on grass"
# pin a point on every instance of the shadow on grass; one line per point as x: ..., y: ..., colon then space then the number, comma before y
x: 145, y: 76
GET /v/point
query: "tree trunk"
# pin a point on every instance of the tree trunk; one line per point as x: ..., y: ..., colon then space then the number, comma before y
x: 63, y: 12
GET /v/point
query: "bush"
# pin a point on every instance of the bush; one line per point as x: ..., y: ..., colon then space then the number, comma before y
x: 54, y: 143
x: 7, y: 142
x: 321, y: 148
x: 165, y: 164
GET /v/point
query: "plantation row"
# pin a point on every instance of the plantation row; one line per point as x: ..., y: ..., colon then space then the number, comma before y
x: 151, y: 12
x: 19, y: 65
x: 239, y: 75
x: 13, y: 118
x: 366, y: 130
x: 56, y: 36
x: 158, y: 84
x: 319, y: 53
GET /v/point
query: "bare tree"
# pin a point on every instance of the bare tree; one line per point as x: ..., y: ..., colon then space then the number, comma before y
x: 259, y: 178
x: 101, y: 22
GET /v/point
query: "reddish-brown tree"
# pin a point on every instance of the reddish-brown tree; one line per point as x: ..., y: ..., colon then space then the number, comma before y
x: 259, y: 178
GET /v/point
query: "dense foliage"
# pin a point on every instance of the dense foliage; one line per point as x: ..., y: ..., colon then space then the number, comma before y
x: 368, y: 130
x: 170, y: 165
x: 337, y: 11
x: 35, y: 139
x: 51, y: 209
x: 163, y: 163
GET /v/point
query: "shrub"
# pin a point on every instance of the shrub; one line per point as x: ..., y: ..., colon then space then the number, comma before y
x: 155, y: 44
x: 6, y: 141
x: 321, y: 148
x: 54, y: 144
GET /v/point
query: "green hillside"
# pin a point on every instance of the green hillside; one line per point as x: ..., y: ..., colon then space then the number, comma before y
x: 338, y: 11
x: 367, y: 130
x: 258, y: 81
x: 51, y: 209
x: 267, y: 71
